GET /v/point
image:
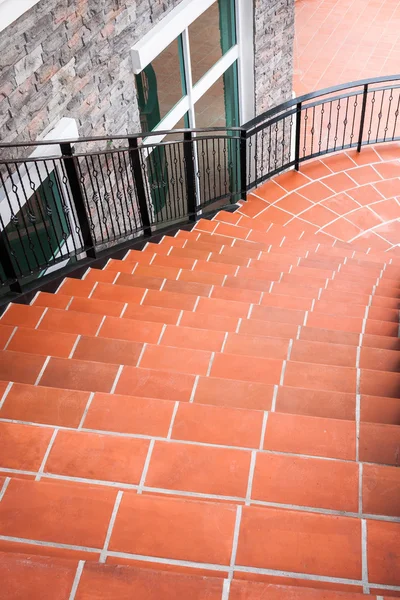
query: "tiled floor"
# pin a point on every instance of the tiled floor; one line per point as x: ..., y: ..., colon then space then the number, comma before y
x: 216, y: 416
x: 338, y: 41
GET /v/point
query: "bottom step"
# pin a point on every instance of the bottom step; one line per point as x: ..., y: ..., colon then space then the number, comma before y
x: 26, y: 577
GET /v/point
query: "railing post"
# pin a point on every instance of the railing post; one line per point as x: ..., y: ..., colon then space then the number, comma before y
x: 362, y: 119
x: 188, y: 153
x: 7, y: 265
x: 243, y: 164
x: 139, y: 184
x: 77, y: 196
x: 297, y: 139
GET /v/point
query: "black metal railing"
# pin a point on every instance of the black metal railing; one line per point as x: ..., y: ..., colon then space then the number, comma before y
x: 63, y: 200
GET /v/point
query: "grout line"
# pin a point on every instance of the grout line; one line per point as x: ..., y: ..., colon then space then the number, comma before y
x: 289, y: 352
x: 171, y: 425
x: 364, y: 557
x: 226, y: 589
x: 141, y: 354
x: 134, y: 268
x: 6, y: 391
x: 305, y: 318
x: 103, y: 554
x: 358, y: 352
x: 96, y: 283
x: 357, y: 415
x: 263, y: 428
x: 282, y: 373
x: 4, y: 487
x: 270, y: 287
x: 210, y: 364
x: 118, y: 375
x: 196, y: 304
x: 178, y: 322
x: 298, y: 332
x: 360, y: 479
x: 274, y: 397
x: 179, y: 274
x: 100, y: 326
x: 46, y: 456
x: 192, y: 395
x: 211, y: 291
x: 42, y: 370
x: 250, y: 311
x: 78, y: 337
x: 42, y: 316
x: 32, y: 302
x: 123, y: 310
x: 251, y: 476
x: 76, y: 581
x: 162, y: 285
x: 116, y: 278
x: 146, y: 466
x: 144, y: 296
x: 224, y: 342
x: 85, y: 412
x: 235, y: 540
x: 14, y: 331
x: 240, y: 322
x: 69, y: 303
x: 164, y: 327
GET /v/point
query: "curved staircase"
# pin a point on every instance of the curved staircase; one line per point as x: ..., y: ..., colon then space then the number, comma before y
x: 215, y: 417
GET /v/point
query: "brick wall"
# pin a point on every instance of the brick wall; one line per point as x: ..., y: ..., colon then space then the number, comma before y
x: 70, y: 58
x: 273, y: 52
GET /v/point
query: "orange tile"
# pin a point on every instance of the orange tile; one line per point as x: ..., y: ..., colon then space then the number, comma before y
x: 5, y: 333
x: 170, y: 261
x: 24, y: 576
x: 87, y: 511
x: 248, y: 283
x: 268, y: 328
x: 315, y: 169
x: 342, y: 323
x: 20, y: 367
x: 246, y: 368
x: 339, y: 182
x: 227, y: 217
x: 187, y: 287
x: 137, y: 256
x: 214, y: 267
x: 232, y: 393
x: 191, y: 252
x: 48, y: 343
x: 379, y: 443
x: 70, y: 322
x: 96, y: 456
x: 118, y: 352
x: 236, y: 294
x: 218, y: 425
x: 301, y: 434
x: 383, y: 552
x: 79, y: 375
x: 301, y: 588
x: 174, y: 528
x: 291, y: 180
x: 157, y: 271
x: 120, y: 266
x: 387, y: 209
x: 379, y: 383
x: 22, y: 315
x: 97, y: 307
x: 149, y: 383
x: 294, y: 203
x: 365, y: 194
x: 23, y: 446
x: 270, y: 191
x: 363, y: 218
x: 181, y: 360
x: 323, y: 353
x: 54, y: 300
x: 40, y: 404
x: 257, y: 346
x: 127, y: 414
x: 281, y: 479
x: 201, y: 277
x: 100, y: 275
x: 201, y: 469
x: 155, y: 314
x: 170, y: 300
x: 271, y: 215
x: 388, y: 188
x: 278, y: 315
x: 118, y: 293
x: 205, y: 225
x: 340, y: 204
x: 287, y: 540
x: 388, y: 169
x: 232, y: 231
x: 318, y: 215
x: 380, y: 491
x: 338, y: 162
x: 365, y: 157
x: 217, y: 306
x: 363, y: 175
x: 209, y: 322
x: 189, y: 337
x: 140, y: 281
x: 129, y: 329
x: 316, y: 191
x: 108, y: 582
x: 316, y: 403
x: 315, y: 377
x: 75, y: 287
x: 376, y: 409
x: 379, y: 359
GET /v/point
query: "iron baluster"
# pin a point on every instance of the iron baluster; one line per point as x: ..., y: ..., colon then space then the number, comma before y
x: 305, y: 133
x: 380, y: 115
x: 320, y: 129
x: 396, y: 114
x: 329, y: 126
x: 345, y: 122
x: 354, y: 121
x: 139, y: 184
x: 362, y: 119
x: 388, y: 114
x: 243, y: 164
x: 188, y: 151
x: 372, y: 114
x: 297, y: 139
x: 337, y: 124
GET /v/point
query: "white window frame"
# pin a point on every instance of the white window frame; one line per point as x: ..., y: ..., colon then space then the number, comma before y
x: 11, y: 10
x: 65, y: 129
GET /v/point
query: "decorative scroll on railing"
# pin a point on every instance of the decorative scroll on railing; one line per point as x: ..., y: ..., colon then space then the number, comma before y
x: 64, y: 200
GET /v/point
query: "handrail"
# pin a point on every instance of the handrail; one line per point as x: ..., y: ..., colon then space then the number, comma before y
x: 96, y: 192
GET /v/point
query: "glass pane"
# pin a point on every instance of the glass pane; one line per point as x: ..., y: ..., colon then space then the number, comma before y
x: 161, y: 85
x: 210, y: 36
x: 219, y: 105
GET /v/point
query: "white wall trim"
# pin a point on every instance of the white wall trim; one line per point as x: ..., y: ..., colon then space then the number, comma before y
x: 213, y: 74
x: 166, y: 31
x: 11, y: 10
x: 245, y: 40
